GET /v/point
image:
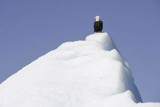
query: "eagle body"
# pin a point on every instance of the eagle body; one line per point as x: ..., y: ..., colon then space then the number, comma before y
x: 98, y: 26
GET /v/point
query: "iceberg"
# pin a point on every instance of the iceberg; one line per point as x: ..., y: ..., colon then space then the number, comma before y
x: 84, y: 73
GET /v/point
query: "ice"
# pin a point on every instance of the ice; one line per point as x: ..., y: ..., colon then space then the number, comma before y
x: 86, y: 73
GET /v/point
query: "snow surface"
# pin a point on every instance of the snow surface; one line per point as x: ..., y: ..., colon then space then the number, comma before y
x: 89, y: 73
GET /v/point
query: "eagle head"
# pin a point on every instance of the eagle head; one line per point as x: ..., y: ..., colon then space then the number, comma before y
x: 97, y: 18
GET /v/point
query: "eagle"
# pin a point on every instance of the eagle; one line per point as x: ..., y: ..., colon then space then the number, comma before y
x: 98, y: 25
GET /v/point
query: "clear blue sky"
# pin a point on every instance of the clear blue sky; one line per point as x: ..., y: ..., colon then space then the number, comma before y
x: 31, y: 28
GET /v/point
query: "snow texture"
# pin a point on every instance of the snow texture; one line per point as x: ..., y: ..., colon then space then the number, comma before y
x: 89, y: 73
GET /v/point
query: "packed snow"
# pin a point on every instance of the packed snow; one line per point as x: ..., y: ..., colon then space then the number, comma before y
x: 86, y: 73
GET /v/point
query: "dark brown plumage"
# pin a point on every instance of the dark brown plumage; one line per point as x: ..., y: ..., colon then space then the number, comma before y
x: 98, y: 26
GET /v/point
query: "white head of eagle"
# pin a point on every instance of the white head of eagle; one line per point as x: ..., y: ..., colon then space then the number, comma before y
x: 98, y: 25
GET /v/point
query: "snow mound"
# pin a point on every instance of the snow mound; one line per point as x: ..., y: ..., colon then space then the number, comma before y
x: 89, y: 73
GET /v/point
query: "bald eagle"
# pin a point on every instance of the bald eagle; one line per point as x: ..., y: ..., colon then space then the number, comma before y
x: 98, y: 25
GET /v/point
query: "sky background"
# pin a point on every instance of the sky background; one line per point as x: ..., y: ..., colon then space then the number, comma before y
x: 31, y: 28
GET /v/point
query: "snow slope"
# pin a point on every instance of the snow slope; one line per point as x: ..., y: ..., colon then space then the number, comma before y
x: 89, y: 73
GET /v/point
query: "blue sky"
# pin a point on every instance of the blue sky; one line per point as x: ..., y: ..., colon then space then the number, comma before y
x: 31, y: 28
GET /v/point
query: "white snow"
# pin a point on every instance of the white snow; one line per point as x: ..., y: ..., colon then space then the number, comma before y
x: 89, y: 73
